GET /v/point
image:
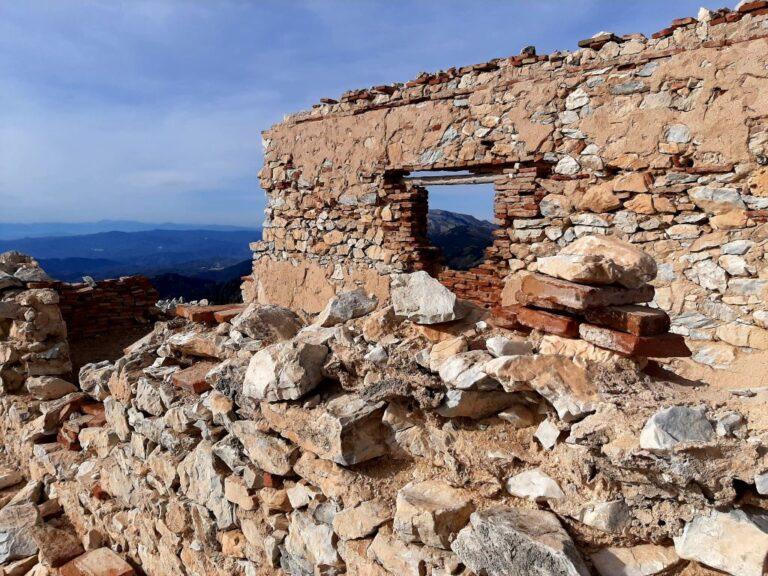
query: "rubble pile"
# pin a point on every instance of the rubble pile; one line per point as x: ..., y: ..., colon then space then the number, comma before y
x: 406, y: 437
x: 592, y: 289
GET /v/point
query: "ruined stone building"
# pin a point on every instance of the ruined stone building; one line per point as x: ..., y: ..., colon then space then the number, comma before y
x: 659, y: 141
x: 368, y: 411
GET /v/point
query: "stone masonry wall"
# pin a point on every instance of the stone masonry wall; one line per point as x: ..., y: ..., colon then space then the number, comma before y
x: 658, y: 141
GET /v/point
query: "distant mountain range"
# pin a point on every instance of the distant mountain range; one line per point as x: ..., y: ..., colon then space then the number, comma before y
x: 13, y: 230
x: 206, y: 262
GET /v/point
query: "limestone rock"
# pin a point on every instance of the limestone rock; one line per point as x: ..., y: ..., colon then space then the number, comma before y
x: 94, y: 378
x: 609, y: 517
x: 717, y: 200
x: 513, y: 541
x: 310, y: 545
x: 270, y: 453
x: 446, y: 349
x: 17, y: 524
x: 56, y: 546
x: 601, y: 260
x: 49, y: 387
x: 501, y: 346
x: 642, y: 560
x: 534, y: 485
x: 346, y: 306
x: 266, y: 323
x: 346, y: 429
x: 284, y: 371
x: 361, y: 520
x: 547, y: 434
x: 422, y: 299
x: 476, y: 404
x: 98, y: 562
x: 431, y: 512
x: 465, y: 371
x: 202, y: 481
x: 735, y: 542
x: 675, y: 425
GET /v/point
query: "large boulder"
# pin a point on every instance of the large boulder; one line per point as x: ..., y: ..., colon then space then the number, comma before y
x: 284, y: 371
x: 346, y: 306
x: 422, y: 299
x: 601, y: 260
x: 517, y: 542
x: 431, y: 512
x: 267, y: 323
x: 735, y: 542
x: 676, y: 425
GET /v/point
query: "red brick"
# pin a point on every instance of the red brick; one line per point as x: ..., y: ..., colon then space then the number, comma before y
x: 99, y: 562
x: 549, y: 322
x: 203, y: 314
x: 661, y: 346
x: 193, y: 378
x: 639, y: 320
x: 752, y: 6
x: 227, y: 315
x: 553, y: 293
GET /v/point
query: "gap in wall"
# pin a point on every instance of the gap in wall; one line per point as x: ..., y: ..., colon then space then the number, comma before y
x: 460, y: 222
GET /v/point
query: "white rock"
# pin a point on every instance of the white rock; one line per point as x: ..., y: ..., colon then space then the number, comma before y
x: 346, y: 306
x: 534, y: 485
x: 547, y: 434
x: 568, y: 166
x: 717, y: 200
x: 735, y: 265
x: 609, y: 517
x: 642, y: 560
x: 674, y: 425
x: 422, y: 299
x: 284, y: 371
x: 678, y: 133
x: 500, y: 346
x: 761, y: 483
x: 735, y: 542
x: 475, y: 404
x: 576, y: 99
x: 465, y: 371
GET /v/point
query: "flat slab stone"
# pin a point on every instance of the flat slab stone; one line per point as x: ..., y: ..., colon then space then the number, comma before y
x: 99, y: 562
x: 638, y: 320
x: 228, y: 314
x: 549, y: 322
x: 554, y: 293
x: 205, y: 314
x: 661, y: 346
x: 642, y: 560
x: 193, y: 378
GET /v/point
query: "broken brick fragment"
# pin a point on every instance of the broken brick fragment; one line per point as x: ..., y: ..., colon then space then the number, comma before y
x: 638, y: 320
x: 204, y: 314
x: 193, y: 378
x: 549, y: 322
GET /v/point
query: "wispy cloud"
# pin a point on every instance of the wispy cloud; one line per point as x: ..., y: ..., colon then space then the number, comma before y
x: 151, y: 109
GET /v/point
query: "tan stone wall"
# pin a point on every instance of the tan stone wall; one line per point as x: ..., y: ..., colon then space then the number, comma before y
x: 660, y: 142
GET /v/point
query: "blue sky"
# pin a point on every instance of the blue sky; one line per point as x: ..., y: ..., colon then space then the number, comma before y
x: 152, y: 110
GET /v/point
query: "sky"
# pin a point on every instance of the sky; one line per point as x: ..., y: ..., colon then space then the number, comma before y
x: 152, y: 110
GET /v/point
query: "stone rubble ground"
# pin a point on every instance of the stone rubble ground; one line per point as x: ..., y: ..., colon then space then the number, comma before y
x: 364, y: 442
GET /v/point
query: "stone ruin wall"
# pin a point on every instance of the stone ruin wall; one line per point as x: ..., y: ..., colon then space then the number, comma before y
x: 659, y: 141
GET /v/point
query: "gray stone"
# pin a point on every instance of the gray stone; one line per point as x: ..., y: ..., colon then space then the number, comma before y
x: 568, y: 166
x: 676, y: 425
x: 346, y: 306
x: 761, y: 483
x: 284, y: 371
x: 632, y: 87
x: 735, y: 542
x: 422, y: 299
x: 93, y: 379
x: 609, y: 517
x: 678, y: 133
x: 310, y: 544
x: 517, y: 542
x: 737, y: 247
x: 17, y: 524
x: 362, y: 520
x: 717, y: 200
